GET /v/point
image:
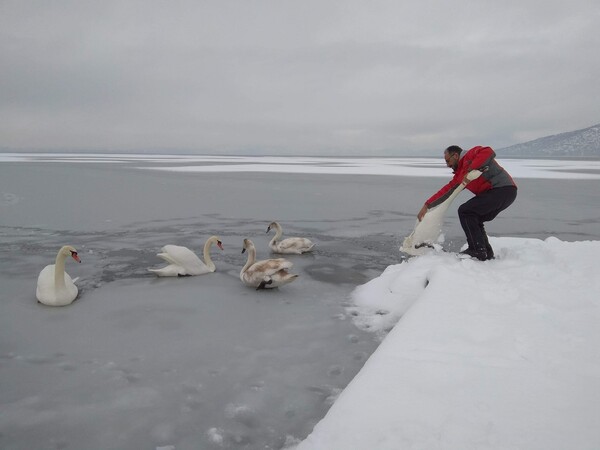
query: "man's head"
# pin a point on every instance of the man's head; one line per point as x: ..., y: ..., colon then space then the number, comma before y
x: 452, y: 155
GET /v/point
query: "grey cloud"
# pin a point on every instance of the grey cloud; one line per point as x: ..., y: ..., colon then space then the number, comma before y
x: 294, y: 77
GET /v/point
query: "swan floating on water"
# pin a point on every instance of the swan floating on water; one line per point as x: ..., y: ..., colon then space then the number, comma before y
x: 54, y: 286
x: 184, y: 262
x: 265, y: 274
x: 295, y: 245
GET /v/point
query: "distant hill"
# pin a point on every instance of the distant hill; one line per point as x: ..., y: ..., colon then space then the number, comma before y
x: 579, y: 143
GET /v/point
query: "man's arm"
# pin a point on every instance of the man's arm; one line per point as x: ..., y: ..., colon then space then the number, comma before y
x: 470, y: 176
x: 422, y: 212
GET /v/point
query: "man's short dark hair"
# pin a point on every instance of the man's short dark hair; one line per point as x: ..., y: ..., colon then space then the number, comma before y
x: 454, y: 149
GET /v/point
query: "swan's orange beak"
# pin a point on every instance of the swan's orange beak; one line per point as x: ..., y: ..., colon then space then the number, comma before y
x: 220, y: 245
x: 75, y: 257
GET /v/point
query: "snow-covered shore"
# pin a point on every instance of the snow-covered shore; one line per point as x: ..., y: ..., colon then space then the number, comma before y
x: 496, y: 355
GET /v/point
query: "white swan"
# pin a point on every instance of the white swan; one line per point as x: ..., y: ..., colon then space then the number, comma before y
x: 183, y: 262
x: 296, y: 245
x: 266, y: 274
x: 427, y: 231
x: 54, y: 286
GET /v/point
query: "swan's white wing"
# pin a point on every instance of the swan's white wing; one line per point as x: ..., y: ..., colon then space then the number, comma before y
x: 268, y: 267
x: 47, y: 293
x: 280, y: 278
x: 295, y: 244
x: 172, y: 270
x: 70, y: 282
x: 185, y: 258
x: 45, y: 282
x: 273, y: 271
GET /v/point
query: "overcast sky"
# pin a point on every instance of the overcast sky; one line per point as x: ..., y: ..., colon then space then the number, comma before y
x: 295, y: 77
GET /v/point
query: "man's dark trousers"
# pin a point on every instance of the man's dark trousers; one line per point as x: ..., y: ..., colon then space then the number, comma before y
x: 483, y: 208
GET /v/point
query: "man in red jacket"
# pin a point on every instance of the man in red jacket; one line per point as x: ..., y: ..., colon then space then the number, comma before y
x: 494, y: 191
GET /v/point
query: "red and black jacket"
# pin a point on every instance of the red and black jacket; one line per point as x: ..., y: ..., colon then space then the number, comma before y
x: 483, y: 158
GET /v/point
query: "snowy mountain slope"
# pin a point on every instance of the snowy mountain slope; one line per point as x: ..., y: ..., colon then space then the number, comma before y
x: 578, y: 143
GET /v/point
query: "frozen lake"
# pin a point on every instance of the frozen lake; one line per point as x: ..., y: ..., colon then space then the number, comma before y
x: 204, y: 362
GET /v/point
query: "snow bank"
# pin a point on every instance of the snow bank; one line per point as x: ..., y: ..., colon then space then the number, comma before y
x: 496, y: 355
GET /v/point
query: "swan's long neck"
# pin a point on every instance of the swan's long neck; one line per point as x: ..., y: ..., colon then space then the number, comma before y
x: 278, y: 234
x: 457, y: 191
x: 207, y: 260
x: 251, y: 259
x: 472, y: 175
x: 59, y: 270
x: 442, y: 207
